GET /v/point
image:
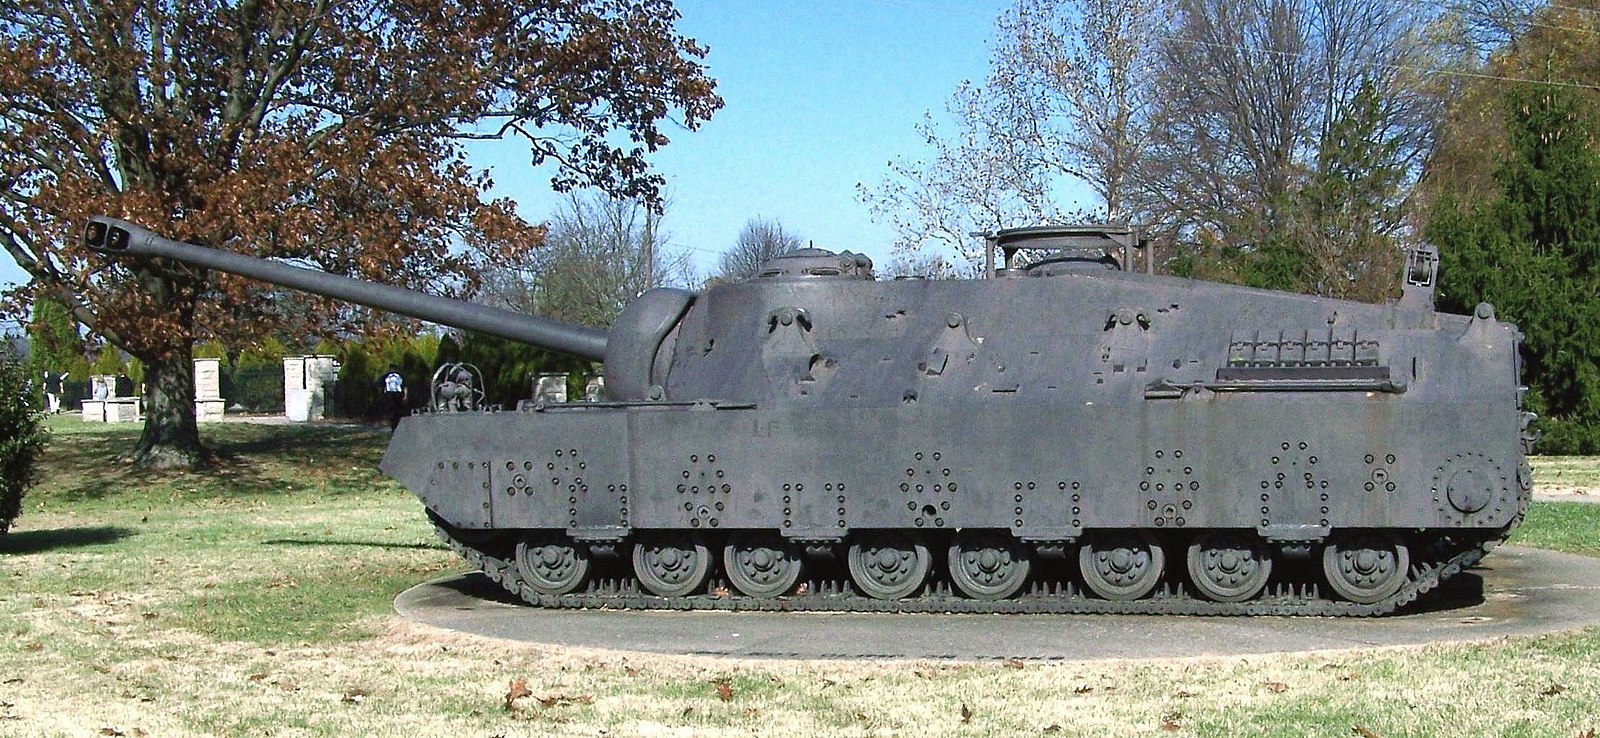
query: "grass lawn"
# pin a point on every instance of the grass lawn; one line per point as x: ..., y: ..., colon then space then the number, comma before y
x: 256, y: 600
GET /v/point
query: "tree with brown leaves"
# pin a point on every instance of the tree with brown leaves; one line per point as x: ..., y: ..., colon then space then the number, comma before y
x: 327, y: 131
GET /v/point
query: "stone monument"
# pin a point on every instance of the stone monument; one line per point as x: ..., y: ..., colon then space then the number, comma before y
x: 208, y: 402
x: 306, y: 381
x: 549, y: 389
x: 105, y: 405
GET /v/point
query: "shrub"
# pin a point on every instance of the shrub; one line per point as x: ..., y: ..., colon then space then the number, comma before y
x: 21, y: 438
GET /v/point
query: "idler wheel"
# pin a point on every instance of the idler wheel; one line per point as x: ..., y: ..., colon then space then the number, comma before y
x: 1365, y: 567
x: 551, y: 564
x: 1229, y: 567
x: 761, y: 565
x: 672, y: 566
x: 1121, y: 566
x: 988, y: 566
x: 889, y: 566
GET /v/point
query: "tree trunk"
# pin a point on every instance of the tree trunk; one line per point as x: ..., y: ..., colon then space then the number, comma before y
x: 171, y: 439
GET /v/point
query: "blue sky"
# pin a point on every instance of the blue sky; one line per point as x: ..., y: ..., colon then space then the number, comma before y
x: 819, y: 96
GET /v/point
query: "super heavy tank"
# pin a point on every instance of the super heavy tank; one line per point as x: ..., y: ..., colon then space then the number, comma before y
x: 1064, y: 434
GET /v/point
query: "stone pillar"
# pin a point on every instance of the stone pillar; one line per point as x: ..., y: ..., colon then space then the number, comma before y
x: 296, y: 398
x: 208, y: 402
x: 321, y: 372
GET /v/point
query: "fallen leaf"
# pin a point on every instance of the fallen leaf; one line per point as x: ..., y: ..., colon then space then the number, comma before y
x: 1082, y: 689
x: 966, y: 713
x: 354, y: 696
x: 13, y: 680
x: 724, y: 690
x: 751, y: 712
x: 1349, y: 677
x: 35, y: 648
x: 630, y: 671
x: 687, y: 711
x: 1169, y: 721
x: 1276, y: 687
x: 1586, y: 733
x: 1552, y: 690
x: 1363, y: 732
x: 826, y: 682
x: 517, y: 690
x: 1052, y: 728
x: 800, y: 590
x: 924, y: 673
x: 719, y: 592
x: 1014, y: 664
x: 1182, y: 694
x: 256, y: 677
x: 111, y: 731
x: 288, y: 686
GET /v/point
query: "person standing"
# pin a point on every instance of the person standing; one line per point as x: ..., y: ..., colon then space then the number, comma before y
x: 53, y: 387
x: 394, y: 396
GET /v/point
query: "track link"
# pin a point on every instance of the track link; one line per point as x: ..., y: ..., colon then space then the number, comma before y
x: 837, y: 595
x: 1430, y: 566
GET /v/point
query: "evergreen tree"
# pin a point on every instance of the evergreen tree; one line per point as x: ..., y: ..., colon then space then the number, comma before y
x: 1532, y: 252
x: 53, y: 341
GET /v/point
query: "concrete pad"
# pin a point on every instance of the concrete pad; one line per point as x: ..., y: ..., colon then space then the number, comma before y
x: 1515, y: 591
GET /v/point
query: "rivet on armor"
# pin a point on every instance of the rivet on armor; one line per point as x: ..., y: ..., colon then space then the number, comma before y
x: 1177, y: 454
x: 841, y: 499
x: 938, y: 522
x: 1368, y: 458
x: 1180, y: 522
x: 944, y: 505
x: 1075, y: 485
x: 1159, y: 454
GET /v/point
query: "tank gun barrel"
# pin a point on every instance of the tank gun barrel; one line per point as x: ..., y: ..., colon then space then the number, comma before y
x: 115, y: 237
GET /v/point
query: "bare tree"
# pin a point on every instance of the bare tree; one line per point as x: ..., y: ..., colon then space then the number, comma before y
x: 1066, y: 101
x: 1258, y: 105
x: 759, y: 240
x: 600, y: 252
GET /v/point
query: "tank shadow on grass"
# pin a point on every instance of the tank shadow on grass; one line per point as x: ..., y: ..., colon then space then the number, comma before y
x: 55, y: 539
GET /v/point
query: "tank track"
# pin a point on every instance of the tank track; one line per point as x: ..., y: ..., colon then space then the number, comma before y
x: 1428, y: 570
x: 1430, y: 566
